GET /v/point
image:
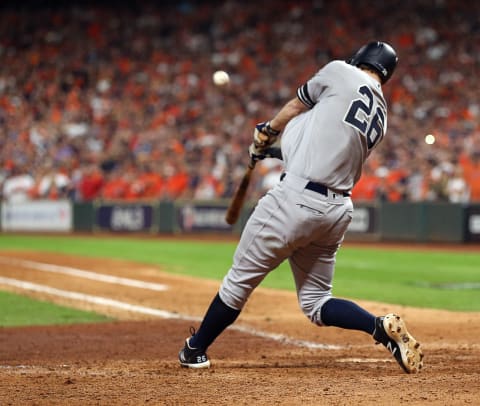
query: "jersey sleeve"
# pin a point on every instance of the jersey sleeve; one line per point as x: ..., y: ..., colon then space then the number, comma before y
x: 310, y: 92
x: 304, y: 96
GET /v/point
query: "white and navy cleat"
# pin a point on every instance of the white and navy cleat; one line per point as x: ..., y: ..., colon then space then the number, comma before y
x: 390, y: 330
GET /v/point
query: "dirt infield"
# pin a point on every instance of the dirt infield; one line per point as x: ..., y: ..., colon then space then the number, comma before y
x: 273, y: 356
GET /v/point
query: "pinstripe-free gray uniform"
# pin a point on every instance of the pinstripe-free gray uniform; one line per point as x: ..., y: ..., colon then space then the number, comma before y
x: 327, y: 144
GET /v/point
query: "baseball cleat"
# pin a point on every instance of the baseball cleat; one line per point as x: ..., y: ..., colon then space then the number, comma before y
x: 390, y: 330
x: 193, y: 357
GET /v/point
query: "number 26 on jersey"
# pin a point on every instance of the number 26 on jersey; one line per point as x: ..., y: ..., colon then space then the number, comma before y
x: 367, y: 114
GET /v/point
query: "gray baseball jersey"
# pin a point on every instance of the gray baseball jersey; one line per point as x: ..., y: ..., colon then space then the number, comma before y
x: 330, y: 142
x: 327, y: 144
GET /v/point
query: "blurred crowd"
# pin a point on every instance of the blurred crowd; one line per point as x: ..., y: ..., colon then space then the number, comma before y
x: 115, y: 100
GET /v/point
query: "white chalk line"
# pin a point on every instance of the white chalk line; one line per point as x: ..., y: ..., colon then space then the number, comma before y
x: 87, y: 298
x: 102, y: 301
x: 80, y: 273
x: 363, y: 360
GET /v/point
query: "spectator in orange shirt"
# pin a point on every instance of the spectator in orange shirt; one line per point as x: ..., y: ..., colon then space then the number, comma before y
x: 116, y: 185
x: 176, y: 179
x: 391, y: 186
x: 147, y: 185
x: 471, y: 172
x: 366, y: 187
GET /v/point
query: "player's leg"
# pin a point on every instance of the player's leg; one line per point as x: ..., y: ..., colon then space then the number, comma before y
x: 261, y: 248
x: 314, y: 292
x: 313, y: 269
x: 313, y: 265
x: 217, y: 318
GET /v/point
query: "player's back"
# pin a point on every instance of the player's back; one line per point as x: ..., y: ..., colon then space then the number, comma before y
x: 330, y: 142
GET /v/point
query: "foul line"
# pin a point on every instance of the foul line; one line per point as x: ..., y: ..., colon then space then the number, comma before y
x: 155, y: 312
x: 80, y: 273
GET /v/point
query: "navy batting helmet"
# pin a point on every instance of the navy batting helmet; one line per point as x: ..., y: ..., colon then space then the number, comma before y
x: 377, y: 55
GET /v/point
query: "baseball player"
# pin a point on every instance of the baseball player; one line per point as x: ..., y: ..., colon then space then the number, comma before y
x: 336, y: 120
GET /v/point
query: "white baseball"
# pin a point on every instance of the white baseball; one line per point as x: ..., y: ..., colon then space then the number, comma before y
x: 221, y: 78
x: 429, y: 139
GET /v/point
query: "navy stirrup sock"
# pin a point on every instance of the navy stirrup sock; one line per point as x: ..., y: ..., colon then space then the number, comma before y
x: 346, y: 314
x: 218, y: 317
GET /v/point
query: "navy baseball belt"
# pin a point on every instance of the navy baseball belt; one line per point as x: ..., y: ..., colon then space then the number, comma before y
x: 318, y: 187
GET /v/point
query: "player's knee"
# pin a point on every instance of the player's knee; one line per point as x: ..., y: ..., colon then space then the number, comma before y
x: 234, y: 300
x: 312, y: 308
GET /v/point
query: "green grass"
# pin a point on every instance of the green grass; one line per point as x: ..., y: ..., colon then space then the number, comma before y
x: 22, y: 311
x: 410, y: 278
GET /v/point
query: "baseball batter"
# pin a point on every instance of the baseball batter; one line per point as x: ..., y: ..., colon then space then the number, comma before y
x: 329, y: 129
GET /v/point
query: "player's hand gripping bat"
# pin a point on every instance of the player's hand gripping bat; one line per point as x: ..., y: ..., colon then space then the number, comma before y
x: 236, y: 204
x: 238, y: 198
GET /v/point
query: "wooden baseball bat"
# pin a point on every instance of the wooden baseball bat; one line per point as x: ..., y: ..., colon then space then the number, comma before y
x: 236, y: 204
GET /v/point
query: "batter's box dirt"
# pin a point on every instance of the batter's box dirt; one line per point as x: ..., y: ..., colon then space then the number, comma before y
x: 133, y: 361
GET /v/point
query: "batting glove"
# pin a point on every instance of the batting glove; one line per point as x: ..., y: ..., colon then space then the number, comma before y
x: 257, y: 154
x: 264, y: 135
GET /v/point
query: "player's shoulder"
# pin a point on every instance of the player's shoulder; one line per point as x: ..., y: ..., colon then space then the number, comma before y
x: 338, y: 64
x: 337, y: 68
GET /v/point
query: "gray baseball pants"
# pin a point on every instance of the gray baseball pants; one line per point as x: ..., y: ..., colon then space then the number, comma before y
x: 294, y: 223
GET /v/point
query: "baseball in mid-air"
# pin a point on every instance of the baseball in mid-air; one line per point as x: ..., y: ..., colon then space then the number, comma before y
x: 429, y: 139
x: 221, y: 78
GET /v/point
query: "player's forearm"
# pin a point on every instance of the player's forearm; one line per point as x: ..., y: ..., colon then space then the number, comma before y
x: 292, y: 109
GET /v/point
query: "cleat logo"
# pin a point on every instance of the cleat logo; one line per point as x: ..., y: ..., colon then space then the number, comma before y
x: 391, y: 348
